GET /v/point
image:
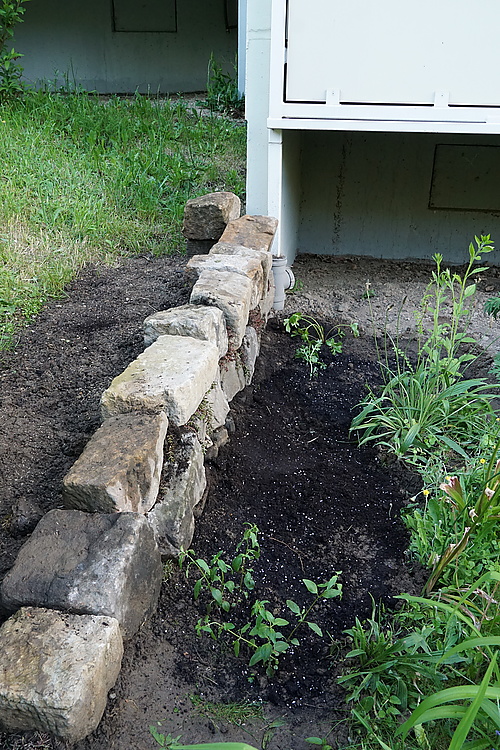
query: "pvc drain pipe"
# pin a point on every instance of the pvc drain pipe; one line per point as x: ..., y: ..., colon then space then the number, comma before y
x: 283, y: 280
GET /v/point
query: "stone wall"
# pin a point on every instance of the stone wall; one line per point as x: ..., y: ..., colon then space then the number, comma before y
x: 90, y: 574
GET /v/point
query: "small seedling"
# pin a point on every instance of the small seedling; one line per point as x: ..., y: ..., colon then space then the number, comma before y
x: 228, y: 585
x: 313, y: 336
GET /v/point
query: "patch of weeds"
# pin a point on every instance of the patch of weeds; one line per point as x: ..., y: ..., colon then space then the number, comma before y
x: 222, y: 89
x: 426, y: 407
x: 11, y: 14
x: 225, y: 586
x: 237, y: 713
x: 313, y: 336
x: 172, y: 743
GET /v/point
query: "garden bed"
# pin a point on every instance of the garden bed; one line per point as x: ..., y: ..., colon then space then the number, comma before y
x: 322, y: 505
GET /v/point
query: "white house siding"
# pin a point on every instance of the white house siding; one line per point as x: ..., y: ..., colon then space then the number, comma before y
x: 76, y: 39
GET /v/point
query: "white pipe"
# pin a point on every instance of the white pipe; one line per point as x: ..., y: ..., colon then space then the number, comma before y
x: 283, y: 280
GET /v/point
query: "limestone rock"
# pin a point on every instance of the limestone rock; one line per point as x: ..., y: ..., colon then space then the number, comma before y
x: 171, y: 375
x: 264, y: 256
x: 120, y: 467
x: 197, y: 321
x: 218, y: 406
x: 266, y: 304
x: 182, y: 488
x: 232, y: 376
x: 88, y: 563
x: 255, y: 232
x: 250, y: 267
x: 205, y: 218
x: 56, y: 670
x: 249, y: 352
x: 231, y: 293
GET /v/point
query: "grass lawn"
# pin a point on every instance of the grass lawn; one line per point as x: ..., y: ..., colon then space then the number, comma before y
x: 85, y: 180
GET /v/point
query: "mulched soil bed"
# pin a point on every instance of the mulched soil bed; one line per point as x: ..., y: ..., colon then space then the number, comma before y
x: 322, y: 505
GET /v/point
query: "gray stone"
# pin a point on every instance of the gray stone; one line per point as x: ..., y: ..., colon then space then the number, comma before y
x: 218, y: 406
x: 266, y: 304
x: 249, y: 352
x: 232, y: 376
x: 205, y: 218
x: 182, y: 488
x: 197, y: 321
x: 100, y: 564
x: 171, y: 375
x: 25, y: 516
x: 250, y: 267
x: 231, y: 293
x: 120, y: 467
x: 56, y: 670
x: 255, y: 232
x: 264, y: 256
x: 219, y: 438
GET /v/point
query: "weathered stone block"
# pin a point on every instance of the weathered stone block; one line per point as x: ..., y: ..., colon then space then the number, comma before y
x: 231, y: 293
x: 218, y: 407
x: 171, y: 375
x: 120, y: 467
x: 266, y: 304
x: 264, y: 256
x: 255, y: 232
x: 100, y: 564
x: 232, y: 376
x: 249, y: 352
x: 181, y: 489
x: 197, y: 321
x: 56, y: 670
x: 205, y: 218
x: 250, y: 267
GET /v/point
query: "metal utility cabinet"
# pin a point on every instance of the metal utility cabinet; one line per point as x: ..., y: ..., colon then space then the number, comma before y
x: 374, y: 127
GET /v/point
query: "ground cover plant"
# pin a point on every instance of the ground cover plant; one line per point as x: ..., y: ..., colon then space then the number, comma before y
x: 87, y: 180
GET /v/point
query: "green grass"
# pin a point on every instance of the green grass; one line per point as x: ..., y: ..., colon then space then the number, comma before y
x: 86, y: 180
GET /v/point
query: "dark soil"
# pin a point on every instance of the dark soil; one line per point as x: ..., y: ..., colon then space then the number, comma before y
x: 322, y: 505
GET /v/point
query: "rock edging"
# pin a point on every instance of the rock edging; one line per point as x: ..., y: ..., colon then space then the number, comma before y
x: 90, y: 574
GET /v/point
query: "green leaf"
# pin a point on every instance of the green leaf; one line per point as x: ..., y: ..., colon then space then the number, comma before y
x: 293, y: 607
x: 310, y: 586
x: 197, y: 588
x: 217, y: 595
x: 262, y: 654
x: 203, y: 565
x: 315, y: 628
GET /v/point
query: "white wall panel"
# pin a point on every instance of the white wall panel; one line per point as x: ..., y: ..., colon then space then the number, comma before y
x: 394, y: 51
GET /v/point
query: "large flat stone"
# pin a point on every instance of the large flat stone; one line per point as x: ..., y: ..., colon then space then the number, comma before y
x: 241, y: 264
x: 56, y: 670
x: 231, y: 293
x: 197, y: 321
x: 100, y: 564
x: 206, y: 217
x: 182, y: 488
x: 171, y: 375
x: 264, y: 256
x: 255, y: 232
x: 120, y: 467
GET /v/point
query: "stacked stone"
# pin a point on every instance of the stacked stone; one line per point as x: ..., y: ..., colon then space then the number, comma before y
x: 90, y: 574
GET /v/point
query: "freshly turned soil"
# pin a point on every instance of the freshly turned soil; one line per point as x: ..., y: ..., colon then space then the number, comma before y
x: 321, y: 504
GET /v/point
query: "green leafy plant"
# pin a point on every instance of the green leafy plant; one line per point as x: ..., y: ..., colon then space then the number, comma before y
x: 226, y: 585
x: 427, y: 406
x: 314, y: 337
x: 11, y: 14
x: 222, y: 89
x: 476, y: 707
